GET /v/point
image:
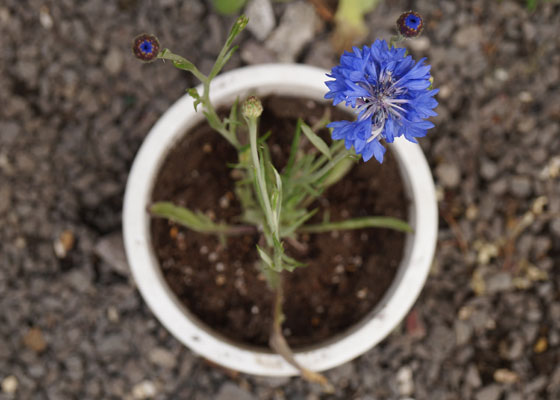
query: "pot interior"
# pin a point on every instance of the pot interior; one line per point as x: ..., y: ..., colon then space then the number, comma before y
x: 349, y: 273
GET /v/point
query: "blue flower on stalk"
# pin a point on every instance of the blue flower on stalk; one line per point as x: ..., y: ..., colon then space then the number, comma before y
x: 145, y: 47
x: 391, y: 94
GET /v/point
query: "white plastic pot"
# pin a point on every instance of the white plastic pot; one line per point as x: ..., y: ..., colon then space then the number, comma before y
x: 293, y: 80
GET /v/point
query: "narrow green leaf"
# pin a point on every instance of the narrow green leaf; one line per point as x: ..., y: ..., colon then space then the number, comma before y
x: 277, y: 196
x: 232, y: 120
x: 278, y: 247
x: 196, y: 96
x: 290, y: 263
x: 265, y: 257
x: 274, y: 201
x: 359, y: 223
x: 294, y: 226
x: 316, y: 140
x: 184, y: 65
x: 335, y: 148
x: 237, y: 27
x: 338, y: 172
x: 196, y: 221
x: 309, y: 189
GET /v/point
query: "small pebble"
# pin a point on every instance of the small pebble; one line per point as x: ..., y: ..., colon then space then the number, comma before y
x: 45, y: 18
x: 520, y: 186
x: 64, y: 244
x: 220, y: 280
x: 144, y: 390
x: 34, y: 340
x: 405, y: 383
x: 491, y: 392
x: 113, y: 314
x: 361, y: 294
x: 541, y: 345
x: 224, y: 202
x: 449, y: 175
x: 9, y: 384
x: 503, y: 375
x: 162, y: 357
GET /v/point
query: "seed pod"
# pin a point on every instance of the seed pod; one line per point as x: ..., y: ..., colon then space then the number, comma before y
x: 252, y: 108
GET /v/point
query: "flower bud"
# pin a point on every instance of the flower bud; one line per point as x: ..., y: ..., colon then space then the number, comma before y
x: 145, y: 47
x: 252, y: 108
x: 410, y: 24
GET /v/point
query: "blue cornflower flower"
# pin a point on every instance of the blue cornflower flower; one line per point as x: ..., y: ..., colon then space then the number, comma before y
x: 390, y: 93
x: 145, y: 47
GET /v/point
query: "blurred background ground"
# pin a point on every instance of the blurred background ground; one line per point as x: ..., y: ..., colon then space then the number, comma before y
x: 75, y: 107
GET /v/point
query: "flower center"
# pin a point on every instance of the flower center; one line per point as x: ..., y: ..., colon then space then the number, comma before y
x: 412, y: 22
x: 382, y: 103
x: 146, y: 47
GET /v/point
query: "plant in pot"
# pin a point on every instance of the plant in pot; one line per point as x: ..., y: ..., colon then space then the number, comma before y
x: 270, y: 235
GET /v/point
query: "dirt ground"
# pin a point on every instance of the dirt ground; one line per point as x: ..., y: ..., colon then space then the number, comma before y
x: 76, y: 105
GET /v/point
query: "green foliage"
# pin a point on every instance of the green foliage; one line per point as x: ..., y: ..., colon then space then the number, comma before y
x: 274, y: 203
x: 198, y: 222
x: 360, y: 223
x: 194, y: 94
x: 350, y: 23
x: 226, y: 127
x: 228, y: 7
x: 532, y: 5
x: 316, y: 140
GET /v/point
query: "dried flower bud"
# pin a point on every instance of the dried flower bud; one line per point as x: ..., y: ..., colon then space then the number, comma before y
x: 252, y: 108
x: 410, y: 24
x: 145, y: 47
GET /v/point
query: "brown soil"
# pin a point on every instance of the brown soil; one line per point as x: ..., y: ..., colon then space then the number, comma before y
x: 347, y: 273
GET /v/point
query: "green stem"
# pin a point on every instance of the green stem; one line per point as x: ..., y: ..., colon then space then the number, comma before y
x: 183, y: 63
x: 394, y: 40
x: 280, y: 345
x: 214, y: 120
x: 259, y: 173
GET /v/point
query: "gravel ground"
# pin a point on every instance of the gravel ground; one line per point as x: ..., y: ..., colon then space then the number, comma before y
x: 76, y: 106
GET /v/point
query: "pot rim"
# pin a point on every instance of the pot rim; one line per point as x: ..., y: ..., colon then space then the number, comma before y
x: 282, y: 79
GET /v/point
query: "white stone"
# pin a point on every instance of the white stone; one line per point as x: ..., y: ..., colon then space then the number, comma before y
x: 470, y: 35
x: 405, y: 383
x: 162, y: 357
x: 419, y: 44
x: 144, y: 390
x: 230, y: 391
x: 45, y: 18
x: 449, y: 175
x: 261, y: 18
x: 113, y: 61
x: 110, y: 248
x: 9, y: 384
x: 297, y: 27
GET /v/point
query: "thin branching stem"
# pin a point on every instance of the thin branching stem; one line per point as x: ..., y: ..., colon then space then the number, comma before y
x: 280, y: 345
